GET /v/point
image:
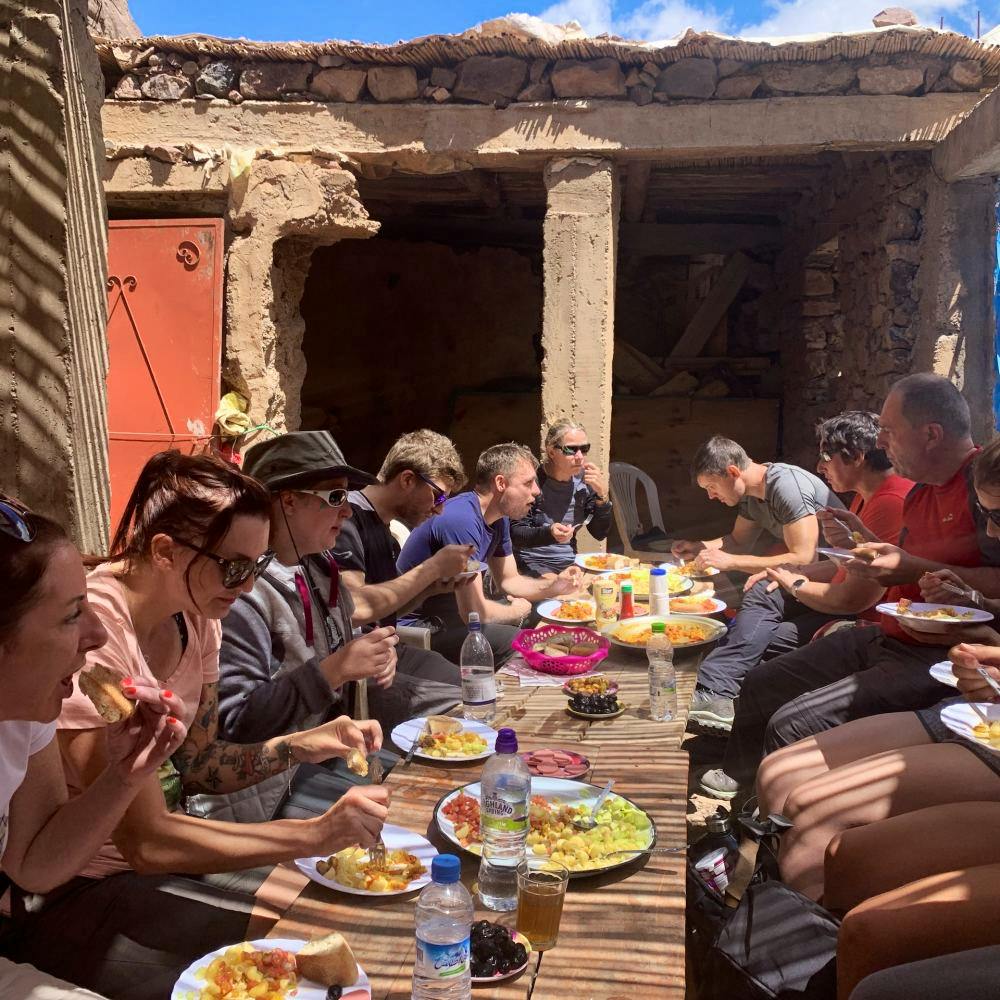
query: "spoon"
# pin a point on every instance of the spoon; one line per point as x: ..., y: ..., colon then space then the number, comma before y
x: 589, y: 822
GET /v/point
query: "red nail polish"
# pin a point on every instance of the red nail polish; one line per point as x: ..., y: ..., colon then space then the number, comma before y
x: 127, y: 680
x: 168, y: 693
x: 172, y: 720
x: 128, y: 689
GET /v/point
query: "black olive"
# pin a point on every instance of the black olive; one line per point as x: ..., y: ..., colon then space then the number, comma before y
x: 520, y: 955
x: 334, y: 992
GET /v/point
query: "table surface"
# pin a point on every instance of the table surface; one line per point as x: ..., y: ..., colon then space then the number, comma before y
x: 622, y: 933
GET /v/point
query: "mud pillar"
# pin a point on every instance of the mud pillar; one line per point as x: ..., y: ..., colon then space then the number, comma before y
x: 281, y: 211
x: 53, y: 268
x: 581, y: 242
x: 955, y: 321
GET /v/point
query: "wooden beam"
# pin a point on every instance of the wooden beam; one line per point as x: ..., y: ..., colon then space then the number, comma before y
x: 485, y: 185
x: 972, y: 148
x: 636, y: 186
x: 638, y: 371
x: 720, y: 298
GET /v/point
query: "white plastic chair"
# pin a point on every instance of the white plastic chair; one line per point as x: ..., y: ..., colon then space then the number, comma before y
x: 412, y: 635
x: 625, y: 480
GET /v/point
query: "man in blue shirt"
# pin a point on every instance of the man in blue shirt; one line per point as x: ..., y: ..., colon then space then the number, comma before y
x: 505, y: 488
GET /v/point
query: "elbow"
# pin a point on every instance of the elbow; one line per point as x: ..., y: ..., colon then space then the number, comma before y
x: 143, y: 857
x: 40, y: 882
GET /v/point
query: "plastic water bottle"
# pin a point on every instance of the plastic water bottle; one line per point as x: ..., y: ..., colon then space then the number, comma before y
x: 662, y: 678
x: 503, y: 820
x: 444, y: 928
x: 479, y: 683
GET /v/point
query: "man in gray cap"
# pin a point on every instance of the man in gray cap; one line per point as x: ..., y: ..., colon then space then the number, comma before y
x: 289, y: 652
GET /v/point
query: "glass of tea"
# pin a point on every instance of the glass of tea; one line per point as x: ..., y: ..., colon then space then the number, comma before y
x: 541, y: 889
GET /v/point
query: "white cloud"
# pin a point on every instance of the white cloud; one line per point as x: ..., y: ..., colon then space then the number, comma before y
x: 594, y: 16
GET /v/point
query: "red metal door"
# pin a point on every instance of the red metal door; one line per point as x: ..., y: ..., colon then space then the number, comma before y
x: 164, y: 341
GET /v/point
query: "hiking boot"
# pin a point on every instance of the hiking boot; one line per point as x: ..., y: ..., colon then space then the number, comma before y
x: 718, y: 785
x: 712, y: 710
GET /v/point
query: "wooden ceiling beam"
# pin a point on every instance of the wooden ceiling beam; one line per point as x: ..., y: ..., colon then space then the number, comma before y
x: 636, y: 186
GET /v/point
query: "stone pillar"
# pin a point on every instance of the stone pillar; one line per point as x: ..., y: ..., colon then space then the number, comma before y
x: 281, y: 210
x: 955, y: 322
x: 53, y: 257
x: 578, y: 338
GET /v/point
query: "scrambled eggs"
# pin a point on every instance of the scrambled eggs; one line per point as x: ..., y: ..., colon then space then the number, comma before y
x: 245, y: 974
x: 463, y: 744
x: 353, y: 867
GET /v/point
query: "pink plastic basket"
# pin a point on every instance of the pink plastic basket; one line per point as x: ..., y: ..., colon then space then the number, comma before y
x: 562, y: 665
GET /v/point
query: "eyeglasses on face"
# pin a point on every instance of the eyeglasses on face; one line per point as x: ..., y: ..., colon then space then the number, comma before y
x: 569, y: 450
x: 332, y: 498
x: 235, y: 572
x: 15, y: 519
x: 440, y: 495
x: 993, y: 516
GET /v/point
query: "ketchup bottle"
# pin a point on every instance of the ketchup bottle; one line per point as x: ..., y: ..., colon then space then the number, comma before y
x: 628, y: 607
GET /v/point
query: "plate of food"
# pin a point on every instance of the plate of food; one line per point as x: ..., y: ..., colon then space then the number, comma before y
x: 579, y: 612
x: 933, y: 618
x: 472, y: 568
x: 638, y: 576
x: 601, y: 562
x: 408, y: 859
x: 498, y: 952
x: 555, y: 802
x: 692, y: 570
x: 590, y: 684
x: 548, y: 763
x: 684, y: 631
x: 443, y: 737
x: 944, y: 674
x: 595, y: 706
x: 697, y: 604
x: 963, y: 720
x: 276, y: 969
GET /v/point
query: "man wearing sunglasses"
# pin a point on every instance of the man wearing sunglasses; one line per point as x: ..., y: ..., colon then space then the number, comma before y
x: 574, y: 492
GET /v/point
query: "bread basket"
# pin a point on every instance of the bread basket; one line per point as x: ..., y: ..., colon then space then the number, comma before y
x: 560, y: 665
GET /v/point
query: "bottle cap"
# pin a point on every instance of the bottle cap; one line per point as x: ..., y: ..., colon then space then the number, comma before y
x: 658, y: 571
x: 473, y: 620
x: 506, y: 741
x: 659, y: 628
x: 445, y: 869
x: 718, y: 822
x: 626, y: 588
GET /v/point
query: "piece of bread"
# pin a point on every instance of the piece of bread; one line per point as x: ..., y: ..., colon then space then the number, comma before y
x: 583, y: 649
x: 103, y: 688
x: 328, y: 961
x: 357, y: 763
x: 443, y: 724
x: 868, y: 555
x: 551, y: 649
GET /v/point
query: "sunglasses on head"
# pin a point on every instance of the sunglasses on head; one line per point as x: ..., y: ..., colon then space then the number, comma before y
x: 15, y: 519
x: 993, y: 516
x: 440, y: 495
x: 235, y: 572
x: 332, y: 498
x: 569, y: 450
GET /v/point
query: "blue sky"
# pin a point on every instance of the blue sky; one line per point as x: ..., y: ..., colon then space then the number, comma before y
x: 392, y: 20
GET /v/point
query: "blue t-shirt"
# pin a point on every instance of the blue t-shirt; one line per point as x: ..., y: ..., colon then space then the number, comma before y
x: 460, y: 523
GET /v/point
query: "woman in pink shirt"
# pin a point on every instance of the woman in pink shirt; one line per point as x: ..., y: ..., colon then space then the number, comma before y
x: 192, y: 539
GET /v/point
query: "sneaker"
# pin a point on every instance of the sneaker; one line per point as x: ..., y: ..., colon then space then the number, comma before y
x: 712, y: 710
x: 718, y: 785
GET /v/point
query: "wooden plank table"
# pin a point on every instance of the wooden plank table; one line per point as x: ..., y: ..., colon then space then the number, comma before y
x: 622, y: 933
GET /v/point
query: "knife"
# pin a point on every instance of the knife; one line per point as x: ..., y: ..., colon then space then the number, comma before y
x: 416, y: 744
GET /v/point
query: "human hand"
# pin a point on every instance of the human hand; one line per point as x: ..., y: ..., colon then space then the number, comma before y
x: 560, y: 532
x: 753, y: 580
x: 451, y: 560
x: 933, y: 591
x: 891, y: 566
x: 372, y: 655
x: 357, y: 817
x: 966, y: 658
x: 685, y: 551
x: 137, y: 746
x: 566, y: 582
x: 782, y: 577
x: 837, y: 525
x: 718, y: 559
x: 336, y: 739
x: 596, y: 480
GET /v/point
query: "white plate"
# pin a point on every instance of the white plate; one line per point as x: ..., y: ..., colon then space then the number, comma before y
x: 501, y: 976
x: 547, y: 610
x: 406, y: 732
x: 395, y: 838
x: 686, y: 584
x: 961, y: 717
x: 481, y: 567
x: 563, y: 791
x: 700, y: 575
x: 718, y: 606
x: 581, y: 561
x: 190, y: 984
x: 717, y: 630
x: 943, y: 673
x: 840, y: 555
x: 934, y: 626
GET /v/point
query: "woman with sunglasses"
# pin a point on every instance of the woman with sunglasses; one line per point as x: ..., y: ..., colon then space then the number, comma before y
x: 192, y: 538
x: 574, y: 491
x: 47, y: 628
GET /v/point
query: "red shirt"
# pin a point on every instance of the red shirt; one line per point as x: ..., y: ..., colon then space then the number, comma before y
x: 938, y: 525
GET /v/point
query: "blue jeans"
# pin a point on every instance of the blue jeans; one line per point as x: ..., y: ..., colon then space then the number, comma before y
x: 766, y: 626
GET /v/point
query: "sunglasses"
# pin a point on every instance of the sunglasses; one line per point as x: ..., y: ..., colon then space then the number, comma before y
x: 569, y: 450
x: 15, y: 519
x: 993, y: 516
x: 440, y: 495
x: 235, y: 572
x: 332, y: 498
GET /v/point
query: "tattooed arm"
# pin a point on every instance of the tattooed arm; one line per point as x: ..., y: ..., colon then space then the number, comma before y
x: 208, y: 764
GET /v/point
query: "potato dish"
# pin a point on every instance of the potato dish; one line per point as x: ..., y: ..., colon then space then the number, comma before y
x: 638, y: 576
x: 988, y: 734
x: 461, y: 744
x: 696, y: 605
x: 245, y: 974
x: 605, y: 562
x: 575, y: 611
x: 942, y: 614
x: 354, y: 868
x: 679, y: 633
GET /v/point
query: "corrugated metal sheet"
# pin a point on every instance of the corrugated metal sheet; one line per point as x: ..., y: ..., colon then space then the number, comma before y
x: 437, y: 50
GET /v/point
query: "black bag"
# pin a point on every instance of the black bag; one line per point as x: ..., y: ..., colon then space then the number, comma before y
x: 774, y: 944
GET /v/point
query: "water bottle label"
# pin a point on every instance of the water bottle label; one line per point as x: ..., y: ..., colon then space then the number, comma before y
x: 442, y: 961
x: 479, y: 691
x: 500, y: 816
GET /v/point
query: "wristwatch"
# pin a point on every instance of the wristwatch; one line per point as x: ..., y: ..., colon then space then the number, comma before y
x: 800, y: 582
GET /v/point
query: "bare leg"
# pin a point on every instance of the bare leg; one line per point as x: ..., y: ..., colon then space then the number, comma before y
x: 869, y: 860
x: 784, y: 769
x: 872, y: 789
x: 938, y: 915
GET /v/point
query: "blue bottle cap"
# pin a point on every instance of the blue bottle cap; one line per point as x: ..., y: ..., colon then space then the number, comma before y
x: 658, y: 571
x: 506, y: 741
x: 445, y: 869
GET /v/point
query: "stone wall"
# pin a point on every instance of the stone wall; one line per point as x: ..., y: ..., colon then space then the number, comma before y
x: 501, y: 80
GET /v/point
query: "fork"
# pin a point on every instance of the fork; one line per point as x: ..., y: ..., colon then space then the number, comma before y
x: 376, y: 774
x: 969, y: 595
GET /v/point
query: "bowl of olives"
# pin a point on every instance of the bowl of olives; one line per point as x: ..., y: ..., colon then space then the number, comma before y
x: 498, y: 952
